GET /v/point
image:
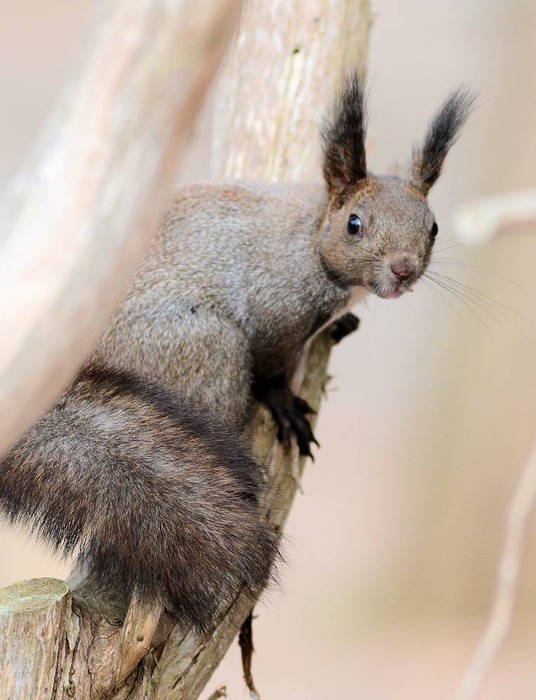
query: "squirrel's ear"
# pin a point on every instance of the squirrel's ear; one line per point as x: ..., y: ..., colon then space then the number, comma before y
x: 441, y: 135
x: 343, y: 134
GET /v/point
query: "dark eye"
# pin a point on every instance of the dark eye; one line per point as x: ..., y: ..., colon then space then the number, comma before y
x: 354, y: 225
x: 434, y: 230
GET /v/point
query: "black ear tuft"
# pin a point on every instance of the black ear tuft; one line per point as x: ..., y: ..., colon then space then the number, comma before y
x: 441, y: 135
x: 343, y: 134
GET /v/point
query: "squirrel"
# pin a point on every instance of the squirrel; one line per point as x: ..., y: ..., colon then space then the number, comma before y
x: 142, y: 466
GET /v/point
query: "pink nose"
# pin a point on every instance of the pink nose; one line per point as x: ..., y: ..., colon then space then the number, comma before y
x: 403, y: 267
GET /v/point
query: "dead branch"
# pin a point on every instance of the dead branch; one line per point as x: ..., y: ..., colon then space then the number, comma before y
x: 485, y: 219
x: 508, y: 573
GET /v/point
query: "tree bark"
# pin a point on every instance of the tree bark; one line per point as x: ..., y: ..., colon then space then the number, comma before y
x: 287, y: 60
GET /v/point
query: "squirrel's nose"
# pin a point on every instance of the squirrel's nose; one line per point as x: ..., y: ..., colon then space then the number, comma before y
x: 403, y: 267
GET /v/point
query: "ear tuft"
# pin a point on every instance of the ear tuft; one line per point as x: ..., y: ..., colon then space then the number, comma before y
x: 343, y: 134
x: 442, y: 133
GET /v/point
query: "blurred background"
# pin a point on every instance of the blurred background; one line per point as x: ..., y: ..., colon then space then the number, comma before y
x: 392, y: 549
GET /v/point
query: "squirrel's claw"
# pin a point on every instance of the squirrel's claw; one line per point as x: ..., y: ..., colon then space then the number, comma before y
x: 290, y: 415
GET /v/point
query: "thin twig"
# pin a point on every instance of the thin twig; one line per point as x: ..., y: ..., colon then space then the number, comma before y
x: 500, y: 619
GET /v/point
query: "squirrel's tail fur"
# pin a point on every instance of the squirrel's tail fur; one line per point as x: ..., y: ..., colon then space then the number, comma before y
x: 148, y: 492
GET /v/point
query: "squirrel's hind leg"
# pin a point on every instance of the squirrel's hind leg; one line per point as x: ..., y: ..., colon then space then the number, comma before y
x: 288, y: 411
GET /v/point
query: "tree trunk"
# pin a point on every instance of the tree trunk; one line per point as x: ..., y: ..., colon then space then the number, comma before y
x: 287, y: 60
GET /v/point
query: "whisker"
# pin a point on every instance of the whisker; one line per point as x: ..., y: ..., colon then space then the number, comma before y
x: 468, y: 294
x: 436, y: 290
x: 500, y: 308
x: 477, y: 268
x: 448, y: 247
x: 466, y: 300
x: 500, y: 312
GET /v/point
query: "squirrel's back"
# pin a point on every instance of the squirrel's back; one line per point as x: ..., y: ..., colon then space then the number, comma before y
x: 223, y: 285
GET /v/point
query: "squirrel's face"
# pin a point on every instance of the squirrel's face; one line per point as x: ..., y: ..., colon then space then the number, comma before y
x: 381, y: 238
x: 378, y: 232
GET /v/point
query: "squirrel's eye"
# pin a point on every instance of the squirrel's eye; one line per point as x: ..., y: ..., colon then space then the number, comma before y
x: 354, y: 225
x: 434, y: 230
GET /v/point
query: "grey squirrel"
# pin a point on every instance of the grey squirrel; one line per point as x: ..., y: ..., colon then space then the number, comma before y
x: 142, y: 465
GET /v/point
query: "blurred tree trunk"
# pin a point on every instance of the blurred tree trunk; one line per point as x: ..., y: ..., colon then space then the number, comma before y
x: 286, y: 64
x: 76, y: 222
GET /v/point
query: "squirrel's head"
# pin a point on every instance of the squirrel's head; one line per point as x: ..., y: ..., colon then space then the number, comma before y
x: 379, y: 231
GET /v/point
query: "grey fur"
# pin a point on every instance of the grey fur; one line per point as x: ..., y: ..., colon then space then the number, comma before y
x: 140, y: 465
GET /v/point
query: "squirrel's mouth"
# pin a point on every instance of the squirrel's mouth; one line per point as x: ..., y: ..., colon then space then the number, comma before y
x: 394, y: 293
x: 393, y: 279
x: 390, y: 290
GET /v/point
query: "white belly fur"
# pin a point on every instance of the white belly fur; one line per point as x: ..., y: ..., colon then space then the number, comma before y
x: 358, y: 294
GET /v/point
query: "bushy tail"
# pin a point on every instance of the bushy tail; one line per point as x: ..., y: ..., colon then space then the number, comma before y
x: 148, y: 491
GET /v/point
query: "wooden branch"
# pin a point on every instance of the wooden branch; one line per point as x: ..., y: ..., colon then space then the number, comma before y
x: 485, y: 219
x: 76, y: 222
x: 186, y: 663
x: 28, y: 670
x: 480, y: 222
x: 509, y: 569
x: 270, y: 105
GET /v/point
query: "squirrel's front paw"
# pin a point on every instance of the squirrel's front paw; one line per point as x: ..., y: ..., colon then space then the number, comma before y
x: 343, y: 326
x: 289, y: 413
